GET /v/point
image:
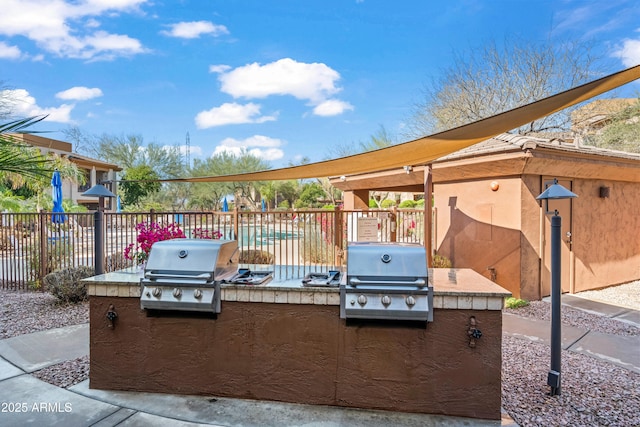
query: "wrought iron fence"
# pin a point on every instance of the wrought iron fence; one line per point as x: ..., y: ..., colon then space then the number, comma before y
x: 297, y: 242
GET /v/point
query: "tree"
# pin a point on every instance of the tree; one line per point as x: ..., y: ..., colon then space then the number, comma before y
x: 18, y: 159
x: 208, y: 195
x: 7, y: 101
x: 622, y: 133
x: 135, y: 184
x: 311, y: 193
x: 133, y: 155
x: 24, y: 170
x: 483, y: 82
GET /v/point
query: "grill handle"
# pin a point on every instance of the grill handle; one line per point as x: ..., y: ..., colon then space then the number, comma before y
x: 355, y: 282
x: 206, y: 276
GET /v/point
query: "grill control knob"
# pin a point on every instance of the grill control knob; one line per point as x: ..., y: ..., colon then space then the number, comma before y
x: 157, y: 292
x: 386, y: 300
x: 411, y: 301
x: 362, y: 300
x: 197, y: 294
x: 177, y: 292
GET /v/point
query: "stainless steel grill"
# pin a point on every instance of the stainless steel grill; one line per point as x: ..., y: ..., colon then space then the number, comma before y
x: 185, y: 274
x: 386, y: 281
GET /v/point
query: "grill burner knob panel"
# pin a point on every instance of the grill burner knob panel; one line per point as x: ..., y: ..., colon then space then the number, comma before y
x: 362, y: 300
x: 386, y: 300
x: 411, y: 301
x: 197, y: 294
x: 156, y: 292
x: 177, y: 292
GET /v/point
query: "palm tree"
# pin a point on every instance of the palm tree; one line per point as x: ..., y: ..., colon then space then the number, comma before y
x: 17, y: 159
x: 25, y: 166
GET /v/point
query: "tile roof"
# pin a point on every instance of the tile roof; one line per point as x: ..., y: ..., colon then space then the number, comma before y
x: 507, y: 142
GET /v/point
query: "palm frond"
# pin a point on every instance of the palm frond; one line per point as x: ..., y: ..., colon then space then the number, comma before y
x: 18, y: 158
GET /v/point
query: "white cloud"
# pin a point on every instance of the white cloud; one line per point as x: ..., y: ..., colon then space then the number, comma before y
x: 24, y: 105
x: 313, y: 82
x: 79, y: 93
x: 332, y: 107
x: 231, y: 113
x: 260, y: 146
x: 66, y: 28
x: 9, y: 52
x: 219, y: 68
x: 194, y: 29
x: 629, y: 52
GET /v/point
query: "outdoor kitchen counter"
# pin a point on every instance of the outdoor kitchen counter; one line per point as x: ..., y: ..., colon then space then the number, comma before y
x: 285, y: 342
x: 458, y: 288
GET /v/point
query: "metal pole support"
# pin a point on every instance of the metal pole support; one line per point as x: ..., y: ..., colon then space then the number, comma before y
x: 98, y: 241
x: 553, y: 379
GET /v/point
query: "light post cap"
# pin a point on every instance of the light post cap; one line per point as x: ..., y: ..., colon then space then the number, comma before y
x: 556, y: 191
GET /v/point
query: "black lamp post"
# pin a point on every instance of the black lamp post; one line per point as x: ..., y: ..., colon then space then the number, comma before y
x: 555, y: 192
x: 101, y: 192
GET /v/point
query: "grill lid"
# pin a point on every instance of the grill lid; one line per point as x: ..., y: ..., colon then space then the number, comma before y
x: 192, y: 257
x: 386, y: 260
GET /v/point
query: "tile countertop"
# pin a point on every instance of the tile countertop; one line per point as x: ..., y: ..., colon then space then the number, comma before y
x: 453, y: 289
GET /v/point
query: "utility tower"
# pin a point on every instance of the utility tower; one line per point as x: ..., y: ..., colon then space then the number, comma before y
x: 187, y: 154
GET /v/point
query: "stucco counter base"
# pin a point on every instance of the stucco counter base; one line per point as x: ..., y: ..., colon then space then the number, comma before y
x: 287, y: 343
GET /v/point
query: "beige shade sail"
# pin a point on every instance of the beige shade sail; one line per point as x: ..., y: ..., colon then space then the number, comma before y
x: 429, y: 148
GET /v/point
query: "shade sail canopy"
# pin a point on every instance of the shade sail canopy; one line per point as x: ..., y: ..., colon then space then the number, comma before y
x: 429, y: 148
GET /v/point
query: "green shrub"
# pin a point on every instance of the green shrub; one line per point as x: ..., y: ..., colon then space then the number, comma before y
x: 65, y: 284
x: 57, y: 256
x: 440, y: 261
x: 387, y: 203
x: 116, y: 261
x: 407, y: 204
x: 512, y: 302
x: 373, y: 204
x: 255, y: 256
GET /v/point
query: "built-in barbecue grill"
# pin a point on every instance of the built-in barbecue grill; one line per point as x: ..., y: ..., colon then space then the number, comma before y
x: 185, y: 274
x: 386, y: 281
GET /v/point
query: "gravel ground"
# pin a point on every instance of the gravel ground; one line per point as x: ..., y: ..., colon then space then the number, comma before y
x: 594, y: 393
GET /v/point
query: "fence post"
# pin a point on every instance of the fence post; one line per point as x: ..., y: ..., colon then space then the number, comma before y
x: 44, y: 256
x: 338, y: 237
x: 428, y: 214
x: 236, y: 216
x: 393, y: 235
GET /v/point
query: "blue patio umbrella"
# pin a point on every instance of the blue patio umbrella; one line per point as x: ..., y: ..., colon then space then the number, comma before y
x: 225, y: 205
x: 56, y: 194
x: 264, y: 206
x: 118, y: 205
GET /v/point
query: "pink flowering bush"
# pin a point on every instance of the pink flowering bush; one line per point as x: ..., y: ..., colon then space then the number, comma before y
x: 148, y: 234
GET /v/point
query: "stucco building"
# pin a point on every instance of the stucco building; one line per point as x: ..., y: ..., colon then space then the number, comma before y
x: 95, y: 171
x: 486, y: 216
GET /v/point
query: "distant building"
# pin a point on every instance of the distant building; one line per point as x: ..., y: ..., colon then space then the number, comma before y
x: 96, y: 171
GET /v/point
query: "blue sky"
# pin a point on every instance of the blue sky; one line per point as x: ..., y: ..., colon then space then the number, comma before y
x: 283, y: 79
